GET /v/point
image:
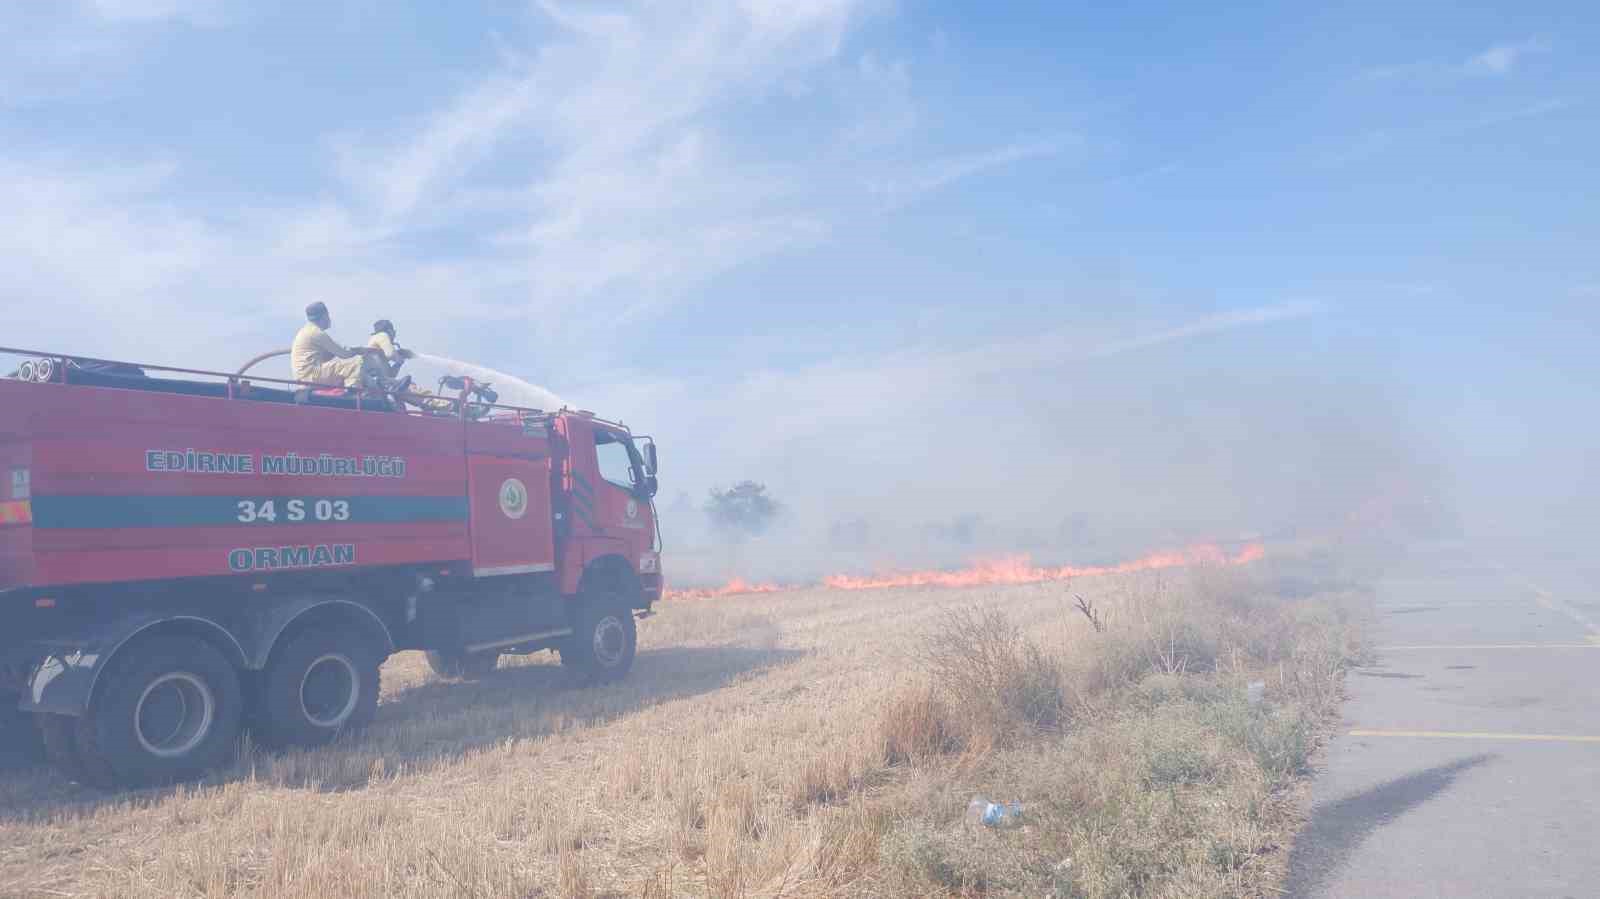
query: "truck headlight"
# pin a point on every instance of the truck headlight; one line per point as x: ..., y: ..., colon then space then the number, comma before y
x: 649, y: 563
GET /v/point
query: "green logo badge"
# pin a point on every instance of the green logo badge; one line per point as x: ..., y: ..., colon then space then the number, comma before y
x: 514, y: 498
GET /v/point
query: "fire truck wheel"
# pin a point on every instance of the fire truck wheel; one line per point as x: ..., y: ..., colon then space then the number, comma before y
x: 604, y: 639
x: 170, y: 709
x: 463, y: 665
x: 60, y: 738
x: 321, y: 684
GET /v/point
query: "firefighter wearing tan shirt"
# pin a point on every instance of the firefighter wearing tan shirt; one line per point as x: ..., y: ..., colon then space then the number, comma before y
x: 318, y: 359
x: 383, y: 340
x: 394, y: 355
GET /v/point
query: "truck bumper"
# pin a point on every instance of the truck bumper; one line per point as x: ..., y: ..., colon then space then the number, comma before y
x: 652, y: 585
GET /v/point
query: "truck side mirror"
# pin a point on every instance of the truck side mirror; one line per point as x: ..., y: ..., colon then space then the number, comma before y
x: 650, y: 460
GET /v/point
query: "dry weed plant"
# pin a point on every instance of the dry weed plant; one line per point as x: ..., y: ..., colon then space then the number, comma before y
x: 812, y: 743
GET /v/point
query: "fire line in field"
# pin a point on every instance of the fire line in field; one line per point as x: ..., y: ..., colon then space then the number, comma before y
x: 1016, y: 569
x: 735, y: 587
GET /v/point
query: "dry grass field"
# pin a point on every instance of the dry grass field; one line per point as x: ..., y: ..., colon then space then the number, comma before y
x: 808, y: 743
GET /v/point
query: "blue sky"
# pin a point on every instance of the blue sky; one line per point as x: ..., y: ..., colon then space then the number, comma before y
x: 787, y: 231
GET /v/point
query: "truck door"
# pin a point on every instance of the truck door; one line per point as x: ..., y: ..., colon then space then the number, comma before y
x: 619, y: 505
x: 508, y: 484
x: 606, y: 515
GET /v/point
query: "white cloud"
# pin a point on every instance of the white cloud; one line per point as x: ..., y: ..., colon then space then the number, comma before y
x: 449, y: 144
x: 637, y: 191
x: 102, y: 261
x: 51, y: 50
x: 609, y: 161
x: 595, y: 173
x: 927, y: 177
x: 880, y: 104
x: 595, y: 176
x: 97, y: 238
x: 1502, y: 58
x: 1499, y: 59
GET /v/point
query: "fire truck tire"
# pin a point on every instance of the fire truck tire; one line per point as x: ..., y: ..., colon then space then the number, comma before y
x: 59, y: 734
x: 320, y: 685
x: 170, y: 709
x: 463, y: 665
x: 603, y: 642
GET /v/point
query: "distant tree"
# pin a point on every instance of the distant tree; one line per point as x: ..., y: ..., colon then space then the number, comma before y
x: 743, y: 510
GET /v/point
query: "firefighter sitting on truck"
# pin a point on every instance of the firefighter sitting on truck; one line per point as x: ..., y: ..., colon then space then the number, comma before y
x: 318, y: 359
x: 394, y: 355
x: 383, y: 340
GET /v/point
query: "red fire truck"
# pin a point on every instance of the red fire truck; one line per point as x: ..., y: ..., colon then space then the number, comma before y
x: 186, y: 554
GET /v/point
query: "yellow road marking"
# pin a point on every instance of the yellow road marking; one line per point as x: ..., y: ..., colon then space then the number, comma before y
x: 1476, y: 735
x: 1421, y: 646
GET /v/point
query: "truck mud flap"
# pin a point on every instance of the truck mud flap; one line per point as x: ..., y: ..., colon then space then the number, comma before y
x: 63, y: 681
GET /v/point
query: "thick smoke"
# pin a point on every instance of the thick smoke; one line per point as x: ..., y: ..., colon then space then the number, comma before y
x: 928, y: 459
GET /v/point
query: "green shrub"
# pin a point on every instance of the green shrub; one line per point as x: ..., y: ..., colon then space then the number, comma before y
x: 1159, y: 689
x: 1177, y: 763
x: 994, y: 679
x: 1281, y: 743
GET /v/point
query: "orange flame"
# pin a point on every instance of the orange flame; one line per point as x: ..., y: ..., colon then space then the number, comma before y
x: 1016, y: 569
x: 733, y: 587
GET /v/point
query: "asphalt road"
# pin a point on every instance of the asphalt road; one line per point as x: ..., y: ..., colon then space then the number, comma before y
x: 1469, y: 764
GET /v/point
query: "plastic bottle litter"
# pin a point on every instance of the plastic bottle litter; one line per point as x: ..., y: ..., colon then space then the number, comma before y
x: 993, y: 814
x: 976, y: 809
x: 1254, y: 690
